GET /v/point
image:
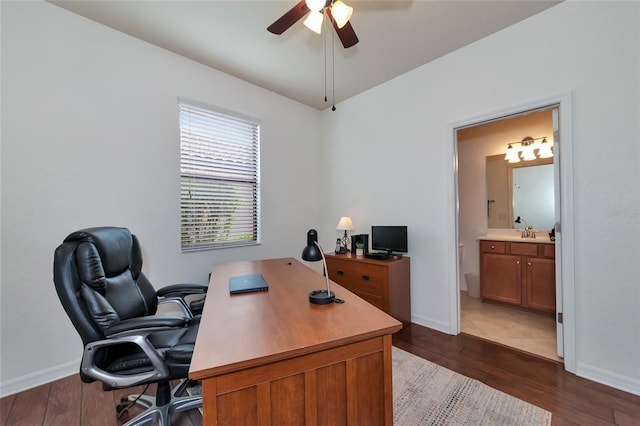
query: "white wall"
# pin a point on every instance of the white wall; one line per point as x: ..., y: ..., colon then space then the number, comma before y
x: 398, y: 133
x: 90, y: 138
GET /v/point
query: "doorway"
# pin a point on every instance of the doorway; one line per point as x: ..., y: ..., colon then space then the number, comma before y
x: 564, y: 319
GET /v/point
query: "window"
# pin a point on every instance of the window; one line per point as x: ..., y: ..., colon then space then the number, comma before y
x: 219, y: 179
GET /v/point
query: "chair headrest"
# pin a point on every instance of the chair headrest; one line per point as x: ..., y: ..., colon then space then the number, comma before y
x: 114, y: 246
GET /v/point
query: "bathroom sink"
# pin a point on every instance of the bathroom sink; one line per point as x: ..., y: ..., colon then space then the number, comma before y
x: 542, y: 236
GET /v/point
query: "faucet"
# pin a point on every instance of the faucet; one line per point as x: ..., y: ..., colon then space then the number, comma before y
x: 527, y: 231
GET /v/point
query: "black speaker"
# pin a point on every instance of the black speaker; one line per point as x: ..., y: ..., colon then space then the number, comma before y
x: 360, y: 238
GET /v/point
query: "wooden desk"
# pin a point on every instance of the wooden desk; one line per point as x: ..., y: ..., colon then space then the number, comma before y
x: 271, y: 358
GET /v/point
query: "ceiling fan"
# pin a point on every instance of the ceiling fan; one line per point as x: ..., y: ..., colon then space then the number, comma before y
x: 338, y: 13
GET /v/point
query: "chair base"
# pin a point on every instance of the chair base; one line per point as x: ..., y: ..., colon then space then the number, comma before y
x: 161, y: 414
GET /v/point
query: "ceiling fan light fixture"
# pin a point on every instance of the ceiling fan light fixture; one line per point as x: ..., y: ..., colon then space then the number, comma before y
x: 341, y: 13
x: 316, y: 5
x: 314, y: 21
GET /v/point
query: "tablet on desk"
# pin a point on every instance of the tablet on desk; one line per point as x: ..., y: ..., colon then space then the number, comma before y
x: 247, y: 283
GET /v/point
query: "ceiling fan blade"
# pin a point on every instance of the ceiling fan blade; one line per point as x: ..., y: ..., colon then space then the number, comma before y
x: 289, y: 18
x: 346, y: 34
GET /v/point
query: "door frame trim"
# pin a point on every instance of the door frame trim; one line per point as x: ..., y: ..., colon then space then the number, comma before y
x: 567, y: 237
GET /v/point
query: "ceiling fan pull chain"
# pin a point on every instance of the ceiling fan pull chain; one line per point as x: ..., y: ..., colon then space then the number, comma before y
x: 325, y: 65
x: 333, y: 66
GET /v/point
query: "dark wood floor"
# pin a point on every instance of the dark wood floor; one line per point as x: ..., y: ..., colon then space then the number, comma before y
x: 572, y: 400
x: 539, y: 381
x: 69, y: 402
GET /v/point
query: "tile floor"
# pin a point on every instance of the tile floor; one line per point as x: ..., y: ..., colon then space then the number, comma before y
x: 528, y: 331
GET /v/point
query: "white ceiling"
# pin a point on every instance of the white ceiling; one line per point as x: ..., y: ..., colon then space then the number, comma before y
x: 231, y: 36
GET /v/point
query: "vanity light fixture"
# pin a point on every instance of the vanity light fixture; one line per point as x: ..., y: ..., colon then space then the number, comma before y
x: 527, y: 146
x: 545, y: 149
x: 527, y: 149
x: 512, y: 155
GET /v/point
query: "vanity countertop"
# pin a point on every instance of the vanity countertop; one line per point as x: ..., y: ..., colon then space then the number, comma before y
x: 542, y: 237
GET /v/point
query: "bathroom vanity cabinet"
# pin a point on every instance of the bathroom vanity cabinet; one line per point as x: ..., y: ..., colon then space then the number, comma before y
x: 518, y: 273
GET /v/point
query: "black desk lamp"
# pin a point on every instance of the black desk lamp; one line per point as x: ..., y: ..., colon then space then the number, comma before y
x: 312, y: 253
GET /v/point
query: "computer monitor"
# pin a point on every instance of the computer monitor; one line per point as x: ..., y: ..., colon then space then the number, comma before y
x: 389, y: 238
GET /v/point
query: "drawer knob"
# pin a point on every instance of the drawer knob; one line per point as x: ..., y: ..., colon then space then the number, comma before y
x: 339, y: 272
x: 365, y: 277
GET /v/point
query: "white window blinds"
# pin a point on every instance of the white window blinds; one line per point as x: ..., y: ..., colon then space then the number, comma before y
x: 219, y: 179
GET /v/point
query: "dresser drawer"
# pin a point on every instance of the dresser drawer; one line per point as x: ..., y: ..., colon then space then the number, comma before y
x: 357, y: 277
x: 493, y: 247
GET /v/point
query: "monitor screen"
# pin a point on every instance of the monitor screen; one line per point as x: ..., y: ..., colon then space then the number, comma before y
x: 389, y: 238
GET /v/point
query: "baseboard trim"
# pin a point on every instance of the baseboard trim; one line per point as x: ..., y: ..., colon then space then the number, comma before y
x: 431, y: 323
x: 615, y: 380
x: 598, y: 375
x: 31, y: 380
x: 608, y: 378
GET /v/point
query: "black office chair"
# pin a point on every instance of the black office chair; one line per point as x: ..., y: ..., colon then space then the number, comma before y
x: 99, y: 280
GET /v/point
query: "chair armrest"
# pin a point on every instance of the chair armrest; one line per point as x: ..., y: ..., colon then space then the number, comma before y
x: 182, y: 290
x: 145, y: 325
x: 178, y: 292
x: 90, y: 369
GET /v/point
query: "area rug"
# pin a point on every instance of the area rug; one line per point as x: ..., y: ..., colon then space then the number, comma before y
x: 425, y: 393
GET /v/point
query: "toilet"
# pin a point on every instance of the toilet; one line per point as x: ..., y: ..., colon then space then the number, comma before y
x: 472, y: 279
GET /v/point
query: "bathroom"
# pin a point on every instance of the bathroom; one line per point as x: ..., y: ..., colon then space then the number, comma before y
x: 485, y: 210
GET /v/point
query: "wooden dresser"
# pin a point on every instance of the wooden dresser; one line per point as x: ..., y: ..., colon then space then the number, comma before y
x: 518, y: 273
x: 385, y: 284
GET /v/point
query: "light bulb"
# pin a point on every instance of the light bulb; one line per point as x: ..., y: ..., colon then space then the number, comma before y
x: 512, y: 155
x: 314, y: 22
x: 545, y: 149
x: 341, y: 13
x: 527, y: 153
x: 316, y: 5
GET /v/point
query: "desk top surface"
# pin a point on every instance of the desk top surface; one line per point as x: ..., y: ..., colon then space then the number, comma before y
x: 244, y: 330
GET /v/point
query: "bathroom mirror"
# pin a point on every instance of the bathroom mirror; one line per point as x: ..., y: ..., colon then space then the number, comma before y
x: 522, y: 189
